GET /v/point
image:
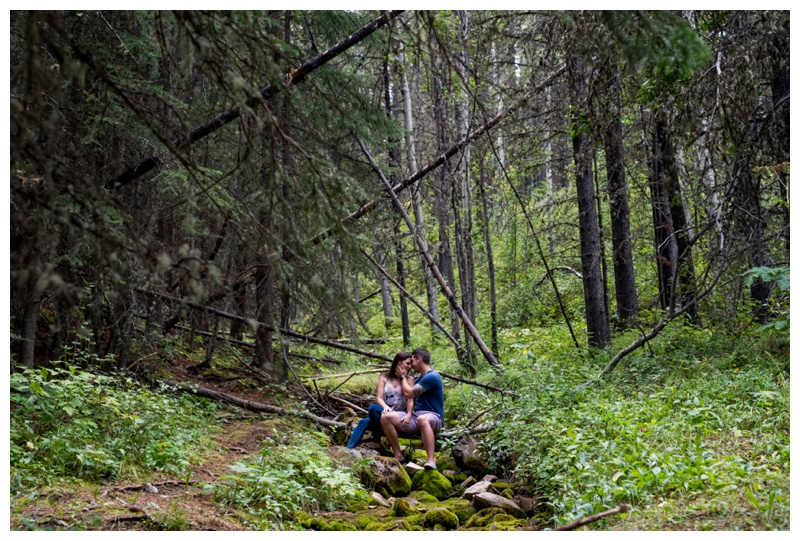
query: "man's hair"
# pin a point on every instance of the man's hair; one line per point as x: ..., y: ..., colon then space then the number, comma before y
x: 423, y: 354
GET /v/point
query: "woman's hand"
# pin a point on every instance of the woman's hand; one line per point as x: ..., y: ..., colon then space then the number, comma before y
x: 386, y: 409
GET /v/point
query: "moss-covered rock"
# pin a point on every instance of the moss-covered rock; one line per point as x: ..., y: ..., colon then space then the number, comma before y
x: 446, y: 519
x: 401, y: 508
x: 378, y: 526
x: 423, y: 497
x: 460, y: 508
x: 500, y: 486
x: 363, y: 521
x: 392, y: 477
x: 508, y: 493
x: 317, y: 524
x: 433, y: 482
x: 340, y: 526
x: 487, y: 516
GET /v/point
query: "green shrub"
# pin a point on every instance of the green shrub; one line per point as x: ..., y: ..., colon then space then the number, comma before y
x: 297, y: 476
x: 67, y: 422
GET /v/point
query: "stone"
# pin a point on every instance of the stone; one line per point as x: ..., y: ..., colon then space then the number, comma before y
x: 528, y: 505
x: 401, y: 508
x: 412, y: 469
x: 423, y: 497
x: 391, y: 476
x: 487, y: 499
x: 465, y: 483
x: 380, y: 499
x: 467, y: 457
x: 433, y: 482
x: 489, y: 477
x: 441, y: 517
x: 477, y: 488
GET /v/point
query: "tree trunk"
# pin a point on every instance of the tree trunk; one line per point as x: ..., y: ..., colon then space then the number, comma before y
x: 597, y: 323
x: 489, y: 259
x: 416, y: 199
x: 685, y: 288
x: 30, y: 320
x: 394, y: 161
x: 442, y: 191
x: 780, y: 102
x: 624, y: 274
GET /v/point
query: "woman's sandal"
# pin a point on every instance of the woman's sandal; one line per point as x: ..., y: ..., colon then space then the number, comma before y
x: 372, y: 445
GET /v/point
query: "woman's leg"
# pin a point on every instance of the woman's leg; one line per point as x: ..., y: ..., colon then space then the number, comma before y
x: 358, y: 433
x: 375, y: 411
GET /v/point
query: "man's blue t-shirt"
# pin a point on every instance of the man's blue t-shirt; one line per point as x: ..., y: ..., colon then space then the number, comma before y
x: 433, y: 397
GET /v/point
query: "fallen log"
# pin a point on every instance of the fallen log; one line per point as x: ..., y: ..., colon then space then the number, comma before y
x: 483, y: 385
x: 621, y: 508
x: 251, y: 405
x: 285, y: 332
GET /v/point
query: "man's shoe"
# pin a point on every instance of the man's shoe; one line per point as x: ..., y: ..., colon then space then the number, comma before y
x: 403, y: 461
x: 430, y: 466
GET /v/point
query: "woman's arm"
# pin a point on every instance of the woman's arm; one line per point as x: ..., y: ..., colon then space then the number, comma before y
x: 409, y: 410
x: 379, y: 392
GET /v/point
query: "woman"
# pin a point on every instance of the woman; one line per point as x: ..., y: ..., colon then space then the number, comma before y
x: 390, y: 398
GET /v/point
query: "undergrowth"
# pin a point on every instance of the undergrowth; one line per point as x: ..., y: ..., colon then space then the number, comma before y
x: 66, y: 422
x: 696, y: 413
x: 288, y: 476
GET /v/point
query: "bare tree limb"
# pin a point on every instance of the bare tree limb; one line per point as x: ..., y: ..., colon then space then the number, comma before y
x: 294, y: 78
x: 621, y: 508
x: 448, y: 293
x: 251, y: 405
x: 471, y: 382
x: 287, y: 332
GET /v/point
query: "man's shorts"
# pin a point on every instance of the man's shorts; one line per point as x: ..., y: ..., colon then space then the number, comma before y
x: 413, y: 426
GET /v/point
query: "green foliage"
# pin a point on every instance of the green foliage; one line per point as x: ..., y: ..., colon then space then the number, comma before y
x: 67, y: 422
x: 781, y: 277
x: 297, y: 476
x: 706, y: 413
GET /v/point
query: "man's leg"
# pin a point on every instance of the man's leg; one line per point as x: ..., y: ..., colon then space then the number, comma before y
x: 389, y: 424
x: 428, y: 437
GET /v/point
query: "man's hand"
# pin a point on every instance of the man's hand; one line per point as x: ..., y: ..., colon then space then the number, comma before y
x: 404, y: 422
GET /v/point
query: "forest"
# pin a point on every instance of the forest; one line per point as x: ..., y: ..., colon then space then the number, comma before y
x: 226, y: 224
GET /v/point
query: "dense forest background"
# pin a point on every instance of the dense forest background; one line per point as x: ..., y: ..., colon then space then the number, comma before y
x: 554, y: 203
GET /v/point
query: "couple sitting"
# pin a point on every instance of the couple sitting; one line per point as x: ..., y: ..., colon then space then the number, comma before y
x: 406, y: 405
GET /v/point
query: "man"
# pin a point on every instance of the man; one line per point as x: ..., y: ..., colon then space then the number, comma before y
x: 428, y: 417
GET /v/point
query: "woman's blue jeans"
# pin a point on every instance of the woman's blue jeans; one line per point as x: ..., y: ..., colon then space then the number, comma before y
x: 373, y: 423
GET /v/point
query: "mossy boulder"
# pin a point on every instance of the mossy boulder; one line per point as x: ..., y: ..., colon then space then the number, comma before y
x: 391, y: 476
x: 460, y: 508
x: 433, y: 482
x: 401, y: 508
x: 423, y: 497
x: 317, y: 524
x: 442, y: 517
x: 340, y: 526
x: 487, y: 516
x: 363, y: 521
x: 378, y: 526
x: 487, y: 499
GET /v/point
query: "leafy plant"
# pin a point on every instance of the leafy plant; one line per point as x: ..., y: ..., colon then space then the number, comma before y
x: 74, y: 423
x: 298, y: 475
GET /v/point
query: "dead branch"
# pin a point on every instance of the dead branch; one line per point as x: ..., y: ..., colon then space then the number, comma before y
x: 442, y: 158
x: 286, y: 332
x: 652, y: 334
x: 349, y: 374
x: 295, y: 77
x: 471, y: 382
x: 414, y: 301
x: 250, y: 405
x: 348, y: 404
x: 621, y: 508
x: 445, y: 288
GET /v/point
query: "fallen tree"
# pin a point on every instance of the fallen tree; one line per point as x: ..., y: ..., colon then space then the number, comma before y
x: 251, y: 405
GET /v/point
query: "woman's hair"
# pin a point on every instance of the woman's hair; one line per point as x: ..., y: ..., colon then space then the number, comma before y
x: 401, y: 356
